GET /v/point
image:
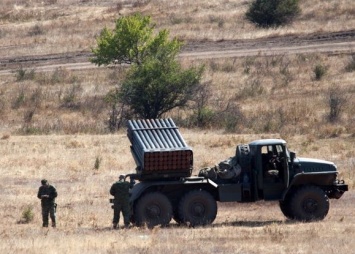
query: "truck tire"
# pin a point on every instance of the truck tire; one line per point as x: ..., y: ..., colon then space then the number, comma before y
x: 285, y: 206
x: 197, y: 208
x: 152, y: 209
x: 177, y: 218
x: 309, y: 203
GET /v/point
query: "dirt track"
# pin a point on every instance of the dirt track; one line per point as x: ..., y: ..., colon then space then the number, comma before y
x: 332, y: 43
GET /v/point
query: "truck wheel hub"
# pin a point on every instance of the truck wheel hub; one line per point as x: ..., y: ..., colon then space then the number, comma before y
x: 198, y: 209
x: 153, y: 211
x: 310, y: 205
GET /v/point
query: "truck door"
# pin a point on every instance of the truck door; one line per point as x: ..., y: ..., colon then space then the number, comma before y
x: 274, y: 171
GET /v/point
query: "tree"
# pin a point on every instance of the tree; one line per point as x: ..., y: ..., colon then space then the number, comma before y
x: 271, y: 13
x: 155, y: 87
x: 156, y: 82
x: 131, y: 41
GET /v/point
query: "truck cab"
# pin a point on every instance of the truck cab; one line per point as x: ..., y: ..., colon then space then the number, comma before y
x: 274, y: 170
x: 270, y: 164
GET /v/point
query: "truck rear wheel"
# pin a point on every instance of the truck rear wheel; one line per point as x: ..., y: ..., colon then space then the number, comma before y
x: 152, y: 209
x: 177, y: 218
x: 197, y: 208
x: 309, y: 203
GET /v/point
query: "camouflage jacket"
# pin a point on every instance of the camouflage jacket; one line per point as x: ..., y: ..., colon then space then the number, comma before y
x: 47, y: 190
x: 120, y: 190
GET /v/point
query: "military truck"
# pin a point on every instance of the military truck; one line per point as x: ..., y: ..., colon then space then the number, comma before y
x: 165, y: 189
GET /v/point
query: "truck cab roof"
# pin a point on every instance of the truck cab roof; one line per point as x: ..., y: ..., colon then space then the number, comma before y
x: 263, y: 142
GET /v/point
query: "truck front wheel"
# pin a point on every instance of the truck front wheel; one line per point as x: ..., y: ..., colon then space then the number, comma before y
x: 309, y: 203
x: 153, y: 209
x: 285, y: 207
x: 197, y: 208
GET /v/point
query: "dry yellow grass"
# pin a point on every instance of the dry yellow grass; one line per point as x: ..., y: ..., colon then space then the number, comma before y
x: 289, y: 99
x: 84, y: 214
x: 70, y: 25
x: 290, y: 95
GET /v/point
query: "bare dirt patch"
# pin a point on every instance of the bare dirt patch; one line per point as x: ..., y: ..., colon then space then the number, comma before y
x: 331, y: 43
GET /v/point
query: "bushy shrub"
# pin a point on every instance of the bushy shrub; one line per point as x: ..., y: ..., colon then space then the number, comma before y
x: 232, y: 117
x: 27, y: 215
x: 336, y: 102
x: 319, y: 71
x: 272, y: 13
x: 204, y: 117
x: 71, y: 96
x: 97, y: 163
x: 23, y: 74
x: 36, y: 30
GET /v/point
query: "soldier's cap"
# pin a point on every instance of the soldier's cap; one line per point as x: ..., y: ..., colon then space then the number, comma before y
x: 44, y: 181
x: 121, y: 177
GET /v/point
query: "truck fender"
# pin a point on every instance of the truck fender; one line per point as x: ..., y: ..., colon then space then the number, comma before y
x: 316, y: 178
x: 138, y: 189
x: 313, y: 178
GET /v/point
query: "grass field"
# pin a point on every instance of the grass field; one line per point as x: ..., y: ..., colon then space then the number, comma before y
x: 278, y: 96
x: 84, y: 214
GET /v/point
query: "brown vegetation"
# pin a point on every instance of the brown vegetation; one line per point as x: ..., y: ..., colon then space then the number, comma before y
x: 276, y: 96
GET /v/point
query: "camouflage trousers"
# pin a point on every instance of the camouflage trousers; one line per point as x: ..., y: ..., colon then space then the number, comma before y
x: 123, y: 207
x: 48, y: 210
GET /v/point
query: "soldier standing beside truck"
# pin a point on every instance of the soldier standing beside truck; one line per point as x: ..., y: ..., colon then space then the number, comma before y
x: 47, y: 194
x: 120, y: 190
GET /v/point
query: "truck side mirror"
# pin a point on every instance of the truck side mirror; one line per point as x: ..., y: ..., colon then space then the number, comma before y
x: 292, y: 156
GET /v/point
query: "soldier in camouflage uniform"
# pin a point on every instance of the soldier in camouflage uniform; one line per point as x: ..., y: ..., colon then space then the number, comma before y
x: 120, y: 190
x: 228, y: 169
x: 47, y: 194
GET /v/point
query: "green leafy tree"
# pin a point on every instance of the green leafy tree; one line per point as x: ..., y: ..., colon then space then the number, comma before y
x: 131, y: 41
x: 156, y: 82
x: 155, y: 87
x: 272, y: 13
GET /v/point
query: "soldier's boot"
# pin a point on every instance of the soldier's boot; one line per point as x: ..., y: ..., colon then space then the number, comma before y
x: 114, y: 226
x: 53, y: 222
x: 45, y: 224
x: 44, y: 221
